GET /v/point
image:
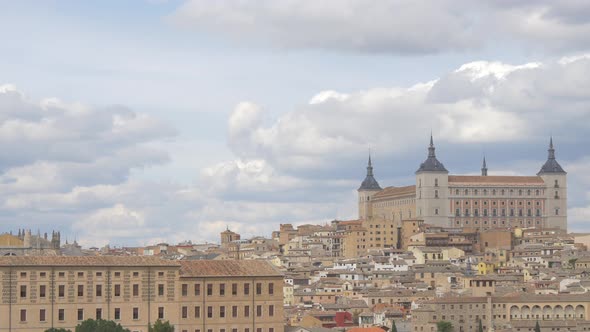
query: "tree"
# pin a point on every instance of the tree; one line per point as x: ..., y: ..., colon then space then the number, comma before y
x: 100, y: 325
x: 53, y: 329
x: 160, y: 326
x: 444, y: 326
x: 480, y: 328
x: 537, y: 327
x: 393, y: 327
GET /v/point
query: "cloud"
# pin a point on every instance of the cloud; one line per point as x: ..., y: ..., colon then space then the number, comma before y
x: 479, y: 103
x: 393, y: 26
x: 399, y: 26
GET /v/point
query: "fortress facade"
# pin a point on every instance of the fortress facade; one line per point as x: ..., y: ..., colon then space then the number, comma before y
x: 467, y: 201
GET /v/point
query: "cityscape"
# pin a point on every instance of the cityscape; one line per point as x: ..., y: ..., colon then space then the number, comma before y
x: 295, y: 166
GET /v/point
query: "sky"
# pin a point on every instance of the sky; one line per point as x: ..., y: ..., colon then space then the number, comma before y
x: 136, y: 122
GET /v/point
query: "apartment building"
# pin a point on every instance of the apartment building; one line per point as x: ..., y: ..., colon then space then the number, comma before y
x: 197, y: 296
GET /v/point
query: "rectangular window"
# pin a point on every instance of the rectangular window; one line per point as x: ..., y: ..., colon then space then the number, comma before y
x: 246, y: 289
x: 23, y: 315
x: 221, y: 289
x: 98, y: 313
x: 271, y: 310
x: 42, y: 315
x: 61, y: 290
x: 197, y: 289
x: 271, y: 288
x: 160, y: 289
x: 197, y: 312
x: 209, y: 289
x: 23, y: 291
x: 135, y: 274
x: 135, y: 313
x: 80, y: 314
x: 246, y: 311
x: 184, y: 312
x: 80, y: 274
x: 222, y: 311
x: 99, y: 274
x: 61, y: 274
x: 258, y: 288
x: 42, y: 274
x: 234, y: 289
x: 117, y: 274
x: 258, y: 311
x: 117, y: 290
x: 61, y: 315
x: 160, y: 312
x: 184, y: 290
x: 117, y: 313
x: 135, y: 289
x: 234, y: 311
x: 80, y: 290
x: 209, y: 312
x: 98, y: 290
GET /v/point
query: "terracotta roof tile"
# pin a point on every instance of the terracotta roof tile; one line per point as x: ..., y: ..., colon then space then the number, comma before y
x: 496, y: 179
x: 85, y: 261
x: 227, y: 268
x: 396, y: 191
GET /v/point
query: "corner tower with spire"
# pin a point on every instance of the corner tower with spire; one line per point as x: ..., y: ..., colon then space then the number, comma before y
x: 368, y: 188
x: 555, y: 179
x: 432, y: 183
x: 484, y: 167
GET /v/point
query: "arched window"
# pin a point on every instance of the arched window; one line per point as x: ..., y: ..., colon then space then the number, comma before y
x: 528, y: 192
x: 502, y: 191
x: 493, y: 192
x: 537, y: 192
x: 475, y: 192
x: 457, y: 192
x: 485, y: 192
x: 466, y: 191
x: 520, y: 192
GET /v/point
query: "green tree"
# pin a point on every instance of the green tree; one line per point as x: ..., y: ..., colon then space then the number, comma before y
x: 100, y: 325
x: 480, y: 328
x: 53, y: 329
x: 393, y: 327
x: 160, y: 326
x: 444, y: 326
x: 537, y: 327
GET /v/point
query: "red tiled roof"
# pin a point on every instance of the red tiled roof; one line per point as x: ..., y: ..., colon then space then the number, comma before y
x: 85, y: 261
x: 227, y: 268
x: 396, y: 191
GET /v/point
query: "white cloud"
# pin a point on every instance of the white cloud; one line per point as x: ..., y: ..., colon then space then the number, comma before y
x: 394, y: 26
x: 481, y: 102
x: 401, y: 26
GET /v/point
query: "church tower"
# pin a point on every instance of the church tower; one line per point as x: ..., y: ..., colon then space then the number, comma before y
x: 432, y: 190
x: 368, y: 188
x: 555, y: 179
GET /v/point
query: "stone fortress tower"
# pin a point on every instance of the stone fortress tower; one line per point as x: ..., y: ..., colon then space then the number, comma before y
x: 368, y: 188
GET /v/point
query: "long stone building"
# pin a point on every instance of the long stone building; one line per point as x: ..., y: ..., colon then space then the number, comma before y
x: 482, y: 201
x: 39, y: 293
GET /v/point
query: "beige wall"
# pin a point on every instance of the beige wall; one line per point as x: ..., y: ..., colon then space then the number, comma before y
x: 118, y: 296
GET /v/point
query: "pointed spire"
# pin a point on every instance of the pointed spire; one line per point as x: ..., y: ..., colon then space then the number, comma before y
x: 551, y: 150
x: 484, y: 167
x: 431, y: 164
x: 431, y: 148
x: 369, y: 183
x: 551, y: 165
x: 370, y: 166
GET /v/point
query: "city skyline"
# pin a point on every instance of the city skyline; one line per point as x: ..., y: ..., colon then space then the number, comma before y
x: 155, y: 121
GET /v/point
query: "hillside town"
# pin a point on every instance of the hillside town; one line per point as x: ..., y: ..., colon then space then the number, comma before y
x: 487, y: 253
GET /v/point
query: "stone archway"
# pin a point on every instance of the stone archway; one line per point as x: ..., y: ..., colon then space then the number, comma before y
x: 547, y: 312
x: 536, y: 312
x: 580, y: 312
x: 558, y: 312
x: 514, y: 312
x: 569, y: 312
x: 525, y: 312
